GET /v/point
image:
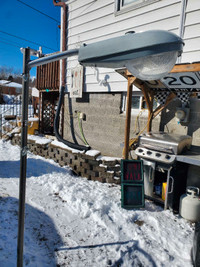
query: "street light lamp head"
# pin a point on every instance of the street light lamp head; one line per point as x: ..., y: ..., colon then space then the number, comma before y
x: 147, y: 55
x: 152, y: 67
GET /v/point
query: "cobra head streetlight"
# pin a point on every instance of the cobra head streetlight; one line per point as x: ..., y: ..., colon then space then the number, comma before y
x: 147, y: 55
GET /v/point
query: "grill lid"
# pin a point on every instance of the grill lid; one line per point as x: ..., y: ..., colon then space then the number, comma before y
x: 165, y: 142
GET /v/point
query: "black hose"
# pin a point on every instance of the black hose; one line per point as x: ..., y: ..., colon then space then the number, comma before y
x: 56, y: 125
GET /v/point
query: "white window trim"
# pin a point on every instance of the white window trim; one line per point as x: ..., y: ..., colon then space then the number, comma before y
x: 119, y: 9
x: 134, y: 111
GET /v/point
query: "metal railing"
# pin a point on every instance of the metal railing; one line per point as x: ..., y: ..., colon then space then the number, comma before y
x: 10, y: 113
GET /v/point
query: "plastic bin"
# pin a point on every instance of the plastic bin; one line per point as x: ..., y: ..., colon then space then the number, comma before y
x: 33, y: 125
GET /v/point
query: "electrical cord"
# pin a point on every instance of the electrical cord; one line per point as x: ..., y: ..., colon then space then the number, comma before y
x: 81, y: 130
x: 133, y: 141
x: 56, y: 126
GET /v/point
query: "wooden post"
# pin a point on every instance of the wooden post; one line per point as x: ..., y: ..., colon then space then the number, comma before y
x: 128, y: 117
x: 149, y: 100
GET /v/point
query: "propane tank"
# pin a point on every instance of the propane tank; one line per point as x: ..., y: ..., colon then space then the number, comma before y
x: 190, y: 204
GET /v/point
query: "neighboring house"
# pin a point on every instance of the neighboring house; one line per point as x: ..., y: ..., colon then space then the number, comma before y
x: 10, y: 88
x: 103, y: 101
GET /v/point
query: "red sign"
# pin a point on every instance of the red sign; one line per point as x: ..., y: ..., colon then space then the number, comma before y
x: 132, y: 171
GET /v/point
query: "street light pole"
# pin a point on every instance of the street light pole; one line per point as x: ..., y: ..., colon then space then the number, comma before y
x: 23, y: 155
x: 27, y: 65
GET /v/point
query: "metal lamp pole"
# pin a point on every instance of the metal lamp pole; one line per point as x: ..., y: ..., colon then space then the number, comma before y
x: 23, y: 155
x: 27, y: 65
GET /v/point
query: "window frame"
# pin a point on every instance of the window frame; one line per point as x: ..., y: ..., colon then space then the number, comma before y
x: 135, y: 111
x: 120, y: 8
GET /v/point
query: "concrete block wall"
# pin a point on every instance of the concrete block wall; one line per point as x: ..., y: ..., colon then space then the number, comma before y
x: 92, y: 166
x: 104, y: 127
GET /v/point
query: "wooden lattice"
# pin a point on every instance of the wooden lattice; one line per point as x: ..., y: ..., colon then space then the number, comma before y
x: 49, y: 106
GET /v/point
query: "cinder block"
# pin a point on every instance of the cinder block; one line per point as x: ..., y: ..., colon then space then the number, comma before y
x: 118, y: 173
x: 117, y: 180
x: 99, y: 168
x: 62, y: 163
x: 81, y: 169
x: 115, y: 168
x: 110, y: 163
x: 51, y: 155
x: 89, y: 157
x: 68, y: 161
x: 87, y: 176
x: 107, y: 174
x: 86, y: 166
x: 92, y: 173
x: 110, y: 180
x: 100, y: 179
x: 93, y: 162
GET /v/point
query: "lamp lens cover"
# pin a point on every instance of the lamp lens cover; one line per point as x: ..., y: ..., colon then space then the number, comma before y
x: 152, y: 67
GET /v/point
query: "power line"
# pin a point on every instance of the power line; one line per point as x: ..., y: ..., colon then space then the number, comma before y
x: 10, y: 41
x: 10, y: 44
x: 38, y: 11
x: 26, y: 40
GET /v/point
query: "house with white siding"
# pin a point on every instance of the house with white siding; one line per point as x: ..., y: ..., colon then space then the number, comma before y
x: 96, y: 114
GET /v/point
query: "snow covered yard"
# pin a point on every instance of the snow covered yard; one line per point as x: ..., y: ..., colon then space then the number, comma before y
x: 71, y: 221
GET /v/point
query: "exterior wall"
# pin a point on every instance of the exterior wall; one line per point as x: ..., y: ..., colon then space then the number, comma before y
x: 104, y: 126
x: 95, y: 20
x: 91, y: 21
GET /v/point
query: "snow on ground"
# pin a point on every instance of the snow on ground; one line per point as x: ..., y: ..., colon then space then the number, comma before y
x: 71, y: 221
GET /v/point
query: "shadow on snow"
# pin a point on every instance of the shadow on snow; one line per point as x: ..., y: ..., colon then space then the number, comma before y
x: 41, y: 239
x: 35, y: 167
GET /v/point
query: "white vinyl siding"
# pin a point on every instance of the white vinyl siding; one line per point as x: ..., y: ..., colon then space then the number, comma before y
x: 95, y: 20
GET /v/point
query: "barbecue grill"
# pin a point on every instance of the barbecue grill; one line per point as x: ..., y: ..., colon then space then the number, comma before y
x: 158, y: 152
x: 162, y: 147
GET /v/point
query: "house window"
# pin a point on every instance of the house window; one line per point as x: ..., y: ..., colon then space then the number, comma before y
x: 138, y: 103
x: 127, y: 5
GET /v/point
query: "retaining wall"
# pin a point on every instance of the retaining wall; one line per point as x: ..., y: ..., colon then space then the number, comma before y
x: 91, y: 165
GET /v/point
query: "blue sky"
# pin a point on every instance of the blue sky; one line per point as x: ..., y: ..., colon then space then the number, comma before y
x: 22, y: 21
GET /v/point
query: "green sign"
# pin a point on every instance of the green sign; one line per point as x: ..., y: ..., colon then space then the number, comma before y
x: 132, y: 184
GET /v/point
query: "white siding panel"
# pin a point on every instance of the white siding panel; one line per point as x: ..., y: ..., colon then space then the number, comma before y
x: 93, y: 76
x: 112, y: 87
x: 192, y: 17
x: 192, y: 31
x: 192, y: 45
x: 87, y: 6
x: 79, y: 17
x: 107, y: 32
x: 81, y: 10
x: 106, y: 10
x: 191, y: 57
x: 193, y: 5
x: 92, y: 21
x: 109, y: 22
